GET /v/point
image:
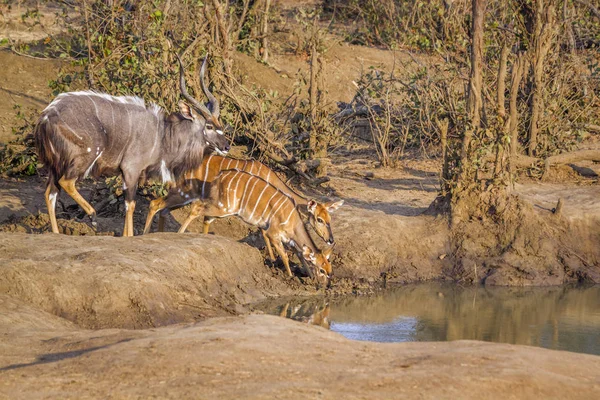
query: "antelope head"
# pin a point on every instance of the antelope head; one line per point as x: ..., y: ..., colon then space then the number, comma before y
x: 205, y: 117
x: 320, y: 218
x: 320, y: 261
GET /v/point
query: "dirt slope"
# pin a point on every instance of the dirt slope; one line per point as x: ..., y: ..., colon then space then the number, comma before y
x: 260, y: 357
x: 153, y: 280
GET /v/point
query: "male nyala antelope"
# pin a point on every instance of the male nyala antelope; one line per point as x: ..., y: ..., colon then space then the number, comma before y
x: 259, y: 203
x: 89, y: 133
x: 198, y: 181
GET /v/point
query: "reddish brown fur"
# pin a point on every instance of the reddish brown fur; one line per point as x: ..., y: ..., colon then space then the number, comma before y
x: 197, y: 181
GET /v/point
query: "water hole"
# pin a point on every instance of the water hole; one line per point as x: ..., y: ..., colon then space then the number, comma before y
x: 560, y: 318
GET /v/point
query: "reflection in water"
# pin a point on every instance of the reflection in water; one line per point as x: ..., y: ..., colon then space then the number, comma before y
x: 309, y: 311
x: 564, y: 318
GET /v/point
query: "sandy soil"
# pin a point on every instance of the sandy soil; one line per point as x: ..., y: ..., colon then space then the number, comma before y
x: 262, y: 357
x: 24, y: 83
x: 18, y: 29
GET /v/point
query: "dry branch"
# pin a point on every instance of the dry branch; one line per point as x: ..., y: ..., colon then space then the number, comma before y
x: 574, y: 156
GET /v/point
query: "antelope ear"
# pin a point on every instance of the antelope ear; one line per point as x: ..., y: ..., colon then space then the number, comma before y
x: 327, y: 252
x: 186, y: 111
x: 311, y: 206
x: 332, y: 206
x: 308, y: 254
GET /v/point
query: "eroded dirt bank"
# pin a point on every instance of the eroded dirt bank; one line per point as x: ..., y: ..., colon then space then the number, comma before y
x: 148, y: 281
x: 162, y: 278
x: 259, y: 356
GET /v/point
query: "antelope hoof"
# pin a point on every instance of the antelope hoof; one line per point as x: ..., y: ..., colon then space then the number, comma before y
x: 93, y: 220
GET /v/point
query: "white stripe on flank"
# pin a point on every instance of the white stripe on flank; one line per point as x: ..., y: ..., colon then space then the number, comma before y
x: 155, y: 137
x: 289, y: 216
x: 241, y: 197
x: 268, y: 175
x: 68, y: 127
x: 266, y: 207
x: 112, y: 111
x: 91, y: 165
x: 282, y: 203
x: 130, y: 124
x: 265, y: 186
x: 249, y: 195
x: 270, y: 215
x: 221, y: 165
x: 206, y: 174
x: 95, y: 108
x: 229, y: 163
x: 229, y: 186
x: 259, y: 167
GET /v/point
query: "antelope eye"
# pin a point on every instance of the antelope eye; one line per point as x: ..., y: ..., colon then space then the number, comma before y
x: 320, y: 220
x: 209, y: 127
x: 323, y: 271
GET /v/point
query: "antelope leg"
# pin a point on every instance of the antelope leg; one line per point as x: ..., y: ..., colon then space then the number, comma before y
x: 51, y: 194
x: 155, y: 206
x: 268, y: 244
x: 284, y: 311
x: 207, y: 222
x: 197, y: 209
x: 69, y: 186
x: 282, y: 253
x: 161, y: 222
x: 129, y: 209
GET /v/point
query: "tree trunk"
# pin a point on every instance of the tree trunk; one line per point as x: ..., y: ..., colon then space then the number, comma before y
x: 443, y: 127
x: 474, y: 99
x: 265, y: 22
x: 500, y: 100
x: 313, y: 93
x: 90, y: 68
x: 513, y: 120
x: 543, y: 35
x: 502, y: 79
x: 568, y: 27
x: 224, y: 35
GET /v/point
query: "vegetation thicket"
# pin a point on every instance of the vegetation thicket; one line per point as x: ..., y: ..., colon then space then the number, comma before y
x: 515, y: 82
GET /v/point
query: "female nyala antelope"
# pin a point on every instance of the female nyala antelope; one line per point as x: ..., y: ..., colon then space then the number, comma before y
x: 198, y: 181
x: 259, y: 203
x: 89, y: 133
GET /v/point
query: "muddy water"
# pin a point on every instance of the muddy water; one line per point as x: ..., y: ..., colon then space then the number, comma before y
x: 563, y: 318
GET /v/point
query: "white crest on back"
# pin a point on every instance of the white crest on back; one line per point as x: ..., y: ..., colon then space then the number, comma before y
x: 132, y: 100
